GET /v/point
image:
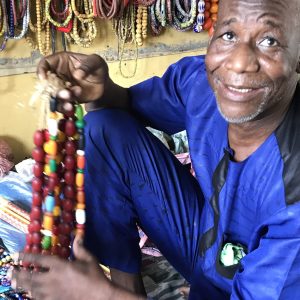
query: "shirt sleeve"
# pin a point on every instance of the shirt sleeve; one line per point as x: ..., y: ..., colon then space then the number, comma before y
x: 161, y: 101
x: 272, y: 270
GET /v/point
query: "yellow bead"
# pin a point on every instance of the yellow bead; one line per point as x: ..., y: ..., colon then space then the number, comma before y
x: 48, y: 221
x: 50, y: 147
x: 79, y: 179
x: 47, y: 170
x: 56, y: 211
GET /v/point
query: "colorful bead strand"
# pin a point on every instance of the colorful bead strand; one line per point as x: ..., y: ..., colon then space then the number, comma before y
x: 58, y: 201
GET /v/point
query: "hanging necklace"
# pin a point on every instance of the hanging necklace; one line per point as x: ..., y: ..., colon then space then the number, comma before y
x: 124, y: 28
x: 25, y: 23
x: 58, y: 200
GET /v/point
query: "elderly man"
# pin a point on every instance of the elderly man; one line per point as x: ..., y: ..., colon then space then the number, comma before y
x: 233, y: 231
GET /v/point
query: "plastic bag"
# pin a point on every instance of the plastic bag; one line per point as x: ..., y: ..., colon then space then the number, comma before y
x: 13, y: 188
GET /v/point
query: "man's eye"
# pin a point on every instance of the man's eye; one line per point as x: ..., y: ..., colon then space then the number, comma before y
x: 269, y: 42
x: 228, y: 36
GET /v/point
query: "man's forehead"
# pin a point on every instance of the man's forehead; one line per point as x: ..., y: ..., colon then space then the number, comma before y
x: 286, y: 13
x: 265, y: 6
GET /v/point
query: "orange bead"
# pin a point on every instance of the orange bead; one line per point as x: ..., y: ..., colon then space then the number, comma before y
x: 80, y: 162
x: 79, y: 179
x: 54, y: 240
x: 214, y: 17
x: 214, y: 8
x: 207, y: 24
x: 80, y: 206
x: 48, y: 221
x: 80, y: 197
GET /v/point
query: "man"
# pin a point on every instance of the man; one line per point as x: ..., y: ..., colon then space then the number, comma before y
x: 244, y: 137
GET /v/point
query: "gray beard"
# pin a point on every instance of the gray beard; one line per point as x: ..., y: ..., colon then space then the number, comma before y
x: 243, y: 119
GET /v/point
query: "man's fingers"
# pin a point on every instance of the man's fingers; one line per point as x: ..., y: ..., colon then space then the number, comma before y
x: 40, y: 260
x: 80, y: 252
x: 91, y: 68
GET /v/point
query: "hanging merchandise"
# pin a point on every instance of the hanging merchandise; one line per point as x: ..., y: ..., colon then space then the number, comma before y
x: 58, y: 200
x: 125, y: 29
x: 84, y: 29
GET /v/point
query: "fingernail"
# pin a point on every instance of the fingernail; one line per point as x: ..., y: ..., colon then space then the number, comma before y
x: 64, y: 94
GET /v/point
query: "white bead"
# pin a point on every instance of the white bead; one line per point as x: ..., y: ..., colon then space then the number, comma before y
x: 80, y: 216
x: 201, y: 6
x: 80, y: 152
x: 52, y: 127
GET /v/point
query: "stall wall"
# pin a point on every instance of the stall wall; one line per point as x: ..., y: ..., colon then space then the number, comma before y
x: 18, y: 120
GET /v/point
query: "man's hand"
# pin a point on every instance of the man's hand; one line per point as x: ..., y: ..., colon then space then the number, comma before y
x: 87, y: 79
x: 87, y: 74
x: 80, y: 279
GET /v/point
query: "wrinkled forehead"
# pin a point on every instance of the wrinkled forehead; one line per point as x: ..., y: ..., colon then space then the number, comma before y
x: 283, y: 10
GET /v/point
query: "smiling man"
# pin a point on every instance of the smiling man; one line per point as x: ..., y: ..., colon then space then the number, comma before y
x: 233, y: 231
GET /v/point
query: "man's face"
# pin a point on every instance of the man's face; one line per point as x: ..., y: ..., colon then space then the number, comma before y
x: 253, y: 57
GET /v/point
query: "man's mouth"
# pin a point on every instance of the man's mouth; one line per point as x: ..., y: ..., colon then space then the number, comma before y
x: 239, y: 89
x: 238, y: 93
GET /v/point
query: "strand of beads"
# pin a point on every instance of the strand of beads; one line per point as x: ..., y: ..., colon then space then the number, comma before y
x: 58, y: 183
x: 198, y: 26
x: 5, y: 264
x: 141, y: 24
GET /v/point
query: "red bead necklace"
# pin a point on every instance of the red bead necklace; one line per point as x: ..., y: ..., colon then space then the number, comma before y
x: 58, y: 199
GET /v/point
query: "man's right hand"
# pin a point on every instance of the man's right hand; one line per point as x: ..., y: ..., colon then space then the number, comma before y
x: 87, y: 75
x: 88, y: 80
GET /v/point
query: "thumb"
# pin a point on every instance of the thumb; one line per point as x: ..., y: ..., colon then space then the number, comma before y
x: 80, y: 252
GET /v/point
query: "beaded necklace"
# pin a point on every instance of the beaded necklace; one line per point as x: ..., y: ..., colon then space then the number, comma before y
x: 1, y: 20
x: 183, y: 20
x: 5, y: 26
x: 25, y: 23
x: 54, y: 22
x: 141, y: 24
x: 58, y: 200
x: 154, y: 23
x: 124, y: 28
x: 43, y: 48
x: 198, y: 26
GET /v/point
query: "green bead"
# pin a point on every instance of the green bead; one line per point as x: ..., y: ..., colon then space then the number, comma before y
x: 79, y: 112
x: 53, y: 137
x: 80, y: 171
x: 52, y: 165
x: 80, y: 124
x: 46, y: 242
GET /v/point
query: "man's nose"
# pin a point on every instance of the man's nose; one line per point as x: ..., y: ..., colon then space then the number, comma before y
x: 243, y: 59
